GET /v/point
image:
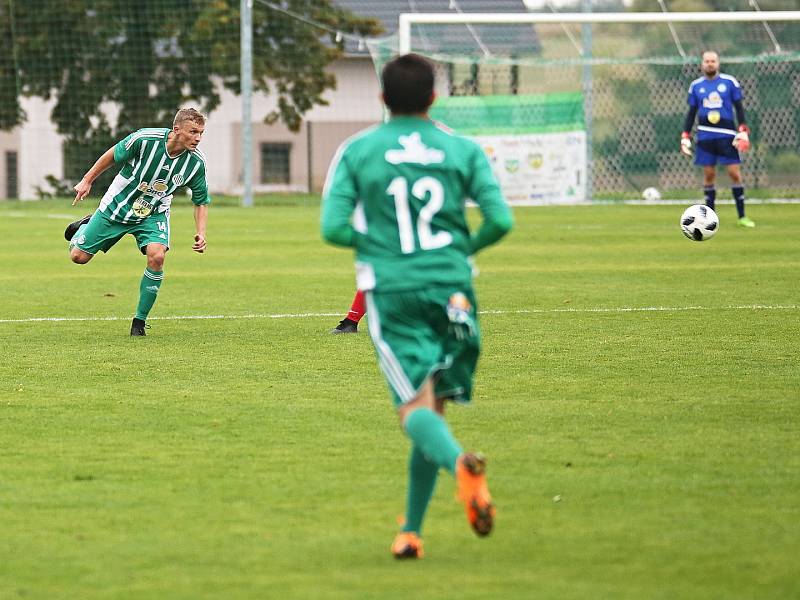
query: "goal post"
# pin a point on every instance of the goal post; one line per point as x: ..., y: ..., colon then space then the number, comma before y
x: 626, y: 77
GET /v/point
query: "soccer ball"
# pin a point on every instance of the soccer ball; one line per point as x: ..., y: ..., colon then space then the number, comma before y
x: 651, y: 194
x: 699, y: 223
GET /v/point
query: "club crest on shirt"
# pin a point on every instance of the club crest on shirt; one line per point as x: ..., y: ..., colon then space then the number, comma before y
x: 713, y: 117
x: 721, y: 88
x: 177, y: 179
x: 414, y: 151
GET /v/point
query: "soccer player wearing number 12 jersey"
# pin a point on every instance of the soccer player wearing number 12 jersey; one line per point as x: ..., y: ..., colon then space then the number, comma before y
x: 155, y: 162
x: 396, y: 194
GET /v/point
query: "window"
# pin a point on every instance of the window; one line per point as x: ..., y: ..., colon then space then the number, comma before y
x: 12, y: 182
x: 275, y: 163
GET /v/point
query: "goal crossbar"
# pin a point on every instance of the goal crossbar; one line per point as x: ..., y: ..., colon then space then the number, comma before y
x: 409, y: 19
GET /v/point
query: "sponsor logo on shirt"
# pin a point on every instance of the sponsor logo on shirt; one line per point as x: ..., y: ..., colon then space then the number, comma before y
x: 713, y: 117
x: 141, y: 207
x: 714, y: 100
x: 156, y: 189
x: 414, y: 151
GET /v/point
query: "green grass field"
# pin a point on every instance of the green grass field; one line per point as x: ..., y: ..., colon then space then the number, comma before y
x: 638, y: 398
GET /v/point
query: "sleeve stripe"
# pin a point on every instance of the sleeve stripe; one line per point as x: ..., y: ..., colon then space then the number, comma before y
x: 144, y: 133
x: 730, y: 78
x: 199, y: 155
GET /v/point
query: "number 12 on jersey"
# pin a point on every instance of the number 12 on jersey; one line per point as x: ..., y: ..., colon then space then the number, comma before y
x: 428, y: 240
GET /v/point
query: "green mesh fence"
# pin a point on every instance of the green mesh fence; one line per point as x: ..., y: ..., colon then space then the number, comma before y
x: 634, y: 81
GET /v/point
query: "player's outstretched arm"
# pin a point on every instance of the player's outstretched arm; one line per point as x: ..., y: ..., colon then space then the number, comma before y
x: 84, y: 186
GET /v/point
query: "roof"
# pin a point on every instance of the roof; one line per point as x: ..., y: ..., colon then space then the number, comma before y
x: 499, y: 39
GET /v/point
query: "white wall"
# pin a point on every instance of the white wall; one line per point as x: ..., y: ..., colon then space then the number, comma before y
x: 40, y: 151
x: 354, y: 100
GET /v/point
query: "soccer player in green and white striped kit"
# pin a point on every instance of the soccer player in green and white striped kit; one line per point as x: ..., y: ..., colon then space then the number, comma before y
x: 155, y: 162
x: 396, y: 194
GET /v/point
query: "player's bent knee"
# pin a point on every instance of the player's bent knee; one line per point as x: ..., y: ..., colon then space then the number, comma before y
x: 79, y: 257
x: 155, y: 263
x: 155, y: 257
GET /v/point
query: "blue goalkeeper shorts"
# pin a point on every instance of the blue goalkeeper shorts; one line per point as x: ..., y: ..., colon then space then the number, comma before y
x: 716, y: 150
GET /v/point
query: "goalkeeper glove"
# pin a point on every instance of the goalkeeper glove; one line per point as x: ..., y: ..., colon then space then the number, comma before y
x: 686, y: 143
x: 741, y: 140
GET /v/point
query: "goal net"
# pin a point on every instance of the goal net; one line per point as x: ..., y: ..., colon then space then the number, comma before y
x: 581, y: 107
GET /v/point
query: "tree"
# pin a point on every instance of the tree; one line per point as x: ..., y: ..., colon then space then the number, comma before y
x: 150, y: 56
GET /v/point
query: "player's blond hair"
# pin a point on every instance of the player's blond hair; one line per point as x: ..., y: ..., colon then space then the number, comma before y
x: 189, y: 114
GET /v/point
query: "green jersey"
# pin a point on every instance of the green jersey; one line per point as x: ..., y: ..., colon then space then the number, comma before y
x: 149, y: 176
x: 404, y: 184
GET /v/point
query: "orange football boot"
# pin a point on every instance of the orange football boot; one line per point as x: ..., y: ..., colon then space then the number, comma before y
x: 474, y: 493
x: 407, y: 544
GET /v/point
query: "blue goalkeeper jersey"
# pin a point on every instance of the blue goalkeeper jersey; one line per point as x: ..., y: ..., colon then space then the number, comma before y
x: 714, y: 100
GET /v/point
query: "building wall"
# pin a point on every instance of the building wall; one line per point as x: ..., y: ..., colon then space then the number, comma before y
x: 38, y: 148
x: 9, y: 142
x: 353, y: 105
x: 326, y: 138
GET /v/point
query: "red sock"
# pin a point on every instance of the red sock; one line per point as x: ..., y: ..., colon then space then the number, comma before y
x: 357, y: 309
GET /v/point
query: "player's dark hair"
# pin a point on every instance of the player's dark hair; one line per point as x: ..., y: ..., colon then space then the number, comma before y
x: 408, y: 84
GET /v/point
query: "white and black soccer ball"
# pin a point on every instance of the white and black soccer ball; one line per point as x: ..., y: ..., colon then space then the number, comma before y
x: 699, y: 223
x: 651, y: 194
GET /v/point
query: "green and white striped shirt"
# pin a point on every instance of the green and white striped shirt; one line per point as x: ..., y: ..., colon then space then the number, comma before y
x: 150, y: 176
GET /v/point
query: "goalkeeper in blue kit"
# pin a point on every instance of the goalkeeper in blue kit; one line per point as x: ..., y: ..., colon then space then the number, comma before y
x: 396, y: 193
x: 714, y: 100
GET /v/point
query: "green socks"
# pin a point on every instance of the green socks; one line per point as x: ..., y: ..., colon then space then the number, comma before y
x: 148, y: 290
x: 422, y: 475
x: 432, y: 436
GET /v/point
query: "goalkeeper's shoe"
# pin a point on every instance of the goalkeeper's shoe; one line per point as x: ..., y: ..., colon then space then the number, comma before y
x: 474, y: 492
x: 745, y: 222
x: 407, y: 544
x: 346, y: 326
x: 137, y: 327
x: 69, y: 232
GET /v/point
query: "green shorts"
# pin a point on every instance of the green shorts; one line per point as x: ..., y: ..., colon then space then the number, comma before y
x: 101, y: 233
x: 427, y: 333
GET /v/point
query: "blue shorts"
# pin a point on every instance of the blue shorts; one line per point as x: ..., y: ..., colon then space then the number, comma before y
x: 716, y: 150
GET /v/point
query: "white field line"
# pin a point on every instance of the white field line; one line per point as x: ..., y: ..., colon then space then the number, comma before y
x: 534, y: 311
x: 19, y: 214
